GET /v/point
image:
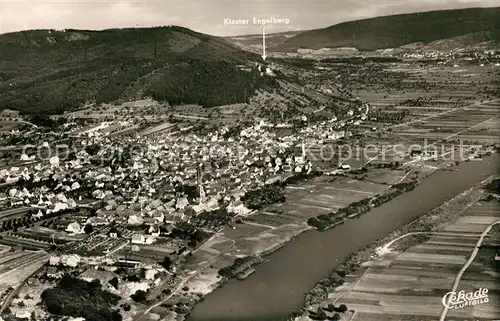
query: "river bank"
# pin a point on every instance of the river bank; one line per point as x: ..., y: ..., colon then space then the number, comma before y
x: 434, y: 221
x: 277, y: 288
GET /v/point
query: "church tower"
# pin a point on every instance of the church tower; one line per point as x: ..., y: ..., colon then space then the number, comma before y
x: 199, y: 181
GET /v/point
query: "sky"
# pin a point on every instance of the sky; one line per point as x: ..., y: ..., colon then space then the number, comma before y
x: 207, y: 16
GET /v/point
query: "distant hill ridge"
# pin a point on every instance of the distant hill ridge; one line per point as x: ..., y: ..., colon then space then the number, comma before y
x: 49, y: 71
x: 253, y: 42
x: 399, y: 30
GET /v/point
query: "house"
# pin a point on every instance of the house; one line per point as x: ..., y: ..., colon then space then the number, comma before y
x: 238, y: 208
x: 128, y: 263
x: 71, y: 260
x: 23, y: 314
x: 345, y: 167
x: 497, y: 257
x: 135, y: 220
x: 97, y: 221
x: 337, y: 172
x: 154, y: 231
x: 53, y: 273
x: 113, y: 232
x: 138, y: 239
x: 74, y: 228
x: 415, y: 152
x: 54, y: 260
x: 300, y: 160
x: 150, y: 274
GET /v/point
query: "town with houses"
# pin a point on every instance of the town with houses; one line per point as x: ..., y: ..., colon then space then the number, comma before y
x: 105, y: 202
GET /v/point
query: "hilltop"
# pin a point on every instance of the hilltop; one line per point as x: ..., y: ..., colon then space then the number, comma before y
x: 49, y: 71
x: 399, y: 30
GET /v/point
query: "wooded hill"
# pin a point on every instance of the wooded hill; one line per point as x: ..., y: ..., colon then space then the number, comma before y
x: 399, y: 30
x: 49, y: 71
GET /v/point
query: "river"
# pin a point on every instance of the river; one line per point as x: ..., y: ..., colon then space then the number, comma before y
x: 277, y: 288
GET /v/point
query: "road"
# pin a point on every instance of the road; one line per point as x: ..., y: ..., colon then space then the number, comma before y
x: 386, y: 247
x: 403, y: 178
x: 466, y: 266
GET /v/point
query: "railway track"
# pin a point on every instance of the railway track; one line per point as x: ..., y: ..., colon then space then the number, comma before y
x: 21, y: 262
x: 13, y: 213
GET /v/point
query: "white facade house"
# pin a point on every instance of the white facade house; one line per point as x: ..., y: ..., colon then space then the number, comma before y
x: 70, y: 260
x: 345, y: 167
x: 138, y: 239
x: 74, y: 228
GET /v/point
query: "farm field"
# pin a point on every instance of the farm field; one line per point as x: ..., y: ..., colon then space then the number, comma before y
x: 440, y: 104
x: 477, y: 123
x: 26, y: 243
x: 157, y: 129
x: 9, y: 214
x: 412, y: 283
x: 16, y: 266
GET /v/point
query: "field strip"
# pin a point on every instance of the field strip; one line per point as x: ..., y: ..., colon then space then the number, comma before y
x: 10, y: 257
x: 430, y: 258
x: 348, y: 190
x: 470, y: 219
x: 262, y: 225
x: 307, y: 206
x: 467, y: 129
x: 296, y: 187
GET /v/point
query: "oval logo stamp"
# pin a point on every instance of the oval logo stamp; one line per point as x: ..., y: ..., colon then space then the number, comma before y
x: 454, y: 300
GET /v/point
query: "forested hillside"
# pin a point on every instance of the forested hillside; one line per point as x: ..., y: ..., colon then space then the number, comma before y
x: 398, y: 30
x: 48, y: 71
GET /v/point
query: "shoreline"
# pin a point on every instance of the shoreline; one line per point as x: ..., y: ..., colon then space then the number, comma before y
x: 432, y: 221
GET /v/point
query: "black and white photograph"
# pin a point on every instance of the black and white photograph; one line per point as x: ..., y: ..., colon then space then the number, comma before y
x: 249, y: 160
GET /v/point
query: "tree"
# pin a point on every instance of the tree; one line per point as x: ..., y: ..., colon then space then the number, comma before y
x: 321, y: 314
x: 114, y: 282
x: 166, y: 263
x: 116, y: 316
x: 88, y: 228
x: 133, y: 278
x: 343, y: 308
x: 139, y: 296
